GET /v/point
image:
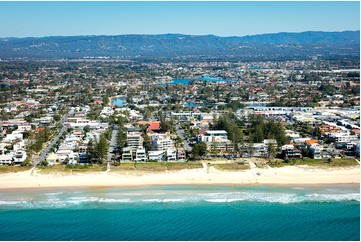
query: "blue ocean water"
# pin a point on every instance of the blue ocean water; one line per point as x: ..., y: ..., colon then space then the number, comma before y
x: 182, y: 213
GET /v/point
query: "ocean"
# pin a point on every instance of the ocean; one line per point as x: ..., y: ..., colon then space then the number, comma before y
x: 215, y: 213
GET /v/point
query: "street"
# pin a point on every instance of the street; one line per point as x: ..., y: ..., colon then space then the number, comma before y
x: 182, y: 135
x: 45, y: 152
x: 112, y: 144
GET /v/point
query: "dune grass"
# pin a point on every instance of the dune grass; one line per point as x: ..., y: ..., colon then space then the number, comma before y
x: 231, y: 167
x: 326, y: 163
x: 9, y: 169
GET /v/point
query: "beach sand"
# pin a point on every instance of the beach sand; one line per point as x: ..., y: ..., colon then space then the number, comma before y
x: 294, y: 175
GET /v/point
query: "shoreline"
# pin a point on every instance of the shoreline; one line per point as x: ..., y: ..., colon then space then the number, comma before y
x: 285, y: 176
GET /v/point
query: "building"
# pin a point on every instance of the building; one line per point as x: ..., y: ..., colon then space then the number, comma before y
x: 289, y: 151
x: 181, y: 154
x: 140, y: 155
x: 212, y: 135
x: 127, y: 154
x: 156, y: 155
x: 171, y: 154
x: 162, y: 142
x: 134, y: 140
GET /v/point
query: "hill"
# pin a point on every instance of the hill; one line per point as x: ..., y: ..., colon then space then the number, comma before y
x: 326, y: 45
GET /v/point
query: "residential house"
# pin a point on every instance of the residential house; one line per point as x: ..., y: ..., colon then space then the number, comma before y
x: 127, y: 154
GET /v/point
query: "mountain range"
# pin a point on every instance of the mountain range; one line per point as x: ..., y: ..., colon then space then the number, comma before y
x: 278, y: 46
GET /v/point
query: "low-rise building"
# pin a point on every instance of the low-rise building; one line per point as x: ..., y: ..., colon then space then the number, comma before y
x: 127, y: 154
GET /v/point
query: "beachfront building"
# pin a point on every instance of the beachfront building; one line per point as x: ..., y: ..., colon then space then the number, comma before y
x: 127, y: 154
x: 289, y: 151
x: 181, y: 154
x: 6, y: 159
x: 162, y: 142
x: 212, y: 135
x: 156, y: 155
x: 140, y: 155
x: 171, y: 154
x: 134, y: 140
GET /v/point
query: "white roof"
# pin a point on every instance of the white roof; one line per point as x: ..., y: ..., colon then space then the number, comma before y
x: 216, y: 132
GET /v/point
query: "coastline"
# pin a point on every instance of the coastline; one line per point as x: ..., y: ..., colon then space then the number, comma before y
x: 300, y: 175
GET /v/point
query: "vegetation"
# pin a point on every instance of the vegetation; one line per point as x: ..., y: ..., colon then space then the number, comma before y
x: 326, y: 162
x: 62, y: 168
x: 231, y: 166
x: 98, y: 150
x: 9, y: 169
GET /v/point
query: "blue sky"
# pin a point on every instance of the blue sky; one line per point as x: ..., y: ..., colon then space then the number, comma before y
x: 34, y: 19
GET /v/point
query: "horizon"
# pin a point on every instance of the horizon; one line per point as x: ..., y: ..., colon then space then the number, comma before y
x: 240, y: 36
x: 223, y: 19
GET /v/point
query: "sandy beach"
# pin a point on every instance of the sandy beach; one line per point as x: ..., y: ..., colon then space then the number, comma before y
x: 207, y: 176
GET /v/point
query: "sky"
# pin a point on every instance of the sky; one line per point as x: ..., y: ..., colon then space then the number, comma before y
x: 37, y: 19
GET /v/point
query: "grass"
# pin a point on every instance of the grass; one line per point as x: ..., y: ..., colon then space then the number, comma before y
x: 123, y: 166
x: 194, y: 165
x: 9, y: 169
x: 231, y: 167
x: 151, y: 166
x: 61, y: 168
x: 155, y: 166
x: 343, y: 162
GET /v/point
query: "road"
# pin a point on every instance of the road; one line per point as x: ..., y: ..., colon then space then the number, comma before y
x: 182, y: 135
x: 112, y: 144
x: 46, y: 151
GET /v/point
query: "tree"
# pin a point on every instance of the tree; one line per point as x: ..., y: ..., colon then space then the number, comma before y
x: 199, y: 150
x: 271, y: 149
x: 86, y: 129
x: 57, y: 117
x: 102, y: 147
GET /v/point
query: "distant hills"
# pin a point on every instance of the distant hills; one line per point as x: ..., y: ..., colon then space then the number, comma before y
x: 279, y: 46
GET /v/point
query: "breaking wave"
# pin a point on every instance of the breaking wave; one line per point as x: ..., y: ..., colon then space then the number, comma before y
x: 71, y: 200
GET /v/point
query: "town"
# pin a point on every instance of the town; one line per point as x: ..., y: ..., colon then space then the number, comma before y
x: 110, y: 112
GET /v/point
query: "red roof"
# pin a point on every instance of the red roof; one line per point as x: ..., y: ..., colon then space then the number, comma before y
x: 154, y: 125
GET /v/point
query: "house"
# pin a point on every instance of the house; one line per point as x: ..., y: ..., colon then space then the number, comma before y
x: 289, y: 151
x: 19, y: 157
x: 181, y: 154
x: 316, y: 151
x: 154, y: 126
x: 156, y: 155
x: 140, y: 155
x: 6, y: 159
x: 127, y: 154
x: 52, y: 158
x: 171, y: 154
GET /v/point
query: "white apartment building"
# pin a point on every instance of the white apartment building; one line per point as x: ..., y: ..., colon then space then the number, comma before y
x: 140, y: 155
x: 156, y: 155
x: 212, y: 135
x: 162, y: 142
x: 134, y: 140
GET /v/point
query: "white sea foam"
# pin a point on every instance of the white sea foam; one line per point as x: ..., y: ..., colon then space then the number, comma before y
x: 71, y: 200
